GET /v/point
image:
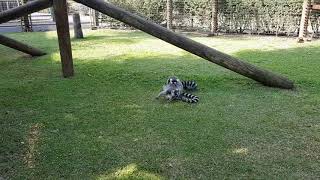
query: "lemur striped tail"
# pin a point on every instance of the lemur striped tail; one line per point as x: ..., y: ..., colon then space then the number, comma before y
x: 189, y: 85
x: 189, y: 98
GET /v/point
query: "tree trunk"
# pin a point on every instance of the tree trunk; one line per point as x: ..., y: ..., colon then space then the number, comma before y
x: 169, y: 14
x: 52, y: 14
x: 303, y: 31
x: 96, y: 16
x: 26, y: 22
x: 214, y: 18
x: 78, y: 34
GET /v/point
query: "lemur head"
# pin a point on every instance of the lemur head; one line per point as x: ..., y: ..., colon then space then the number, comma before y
x: 173, y: 80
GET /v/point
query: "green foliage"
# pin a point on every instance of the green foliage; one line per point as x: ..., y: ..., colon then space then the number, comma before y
x: 249, y: 16
x: 150, y: 9
x: 258, y: 16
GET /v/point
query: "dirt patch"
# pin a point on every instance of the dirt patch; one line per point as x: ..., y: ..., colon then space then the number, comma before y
x: 33, y: 139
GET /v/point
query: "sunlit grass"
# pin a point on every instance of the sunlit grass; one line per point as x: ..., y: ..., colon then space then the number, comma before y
x: 105, y: 122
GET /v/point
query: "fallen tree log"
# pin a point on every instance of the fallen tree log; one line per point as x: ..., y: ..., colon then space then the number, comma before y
x: 263, y: 76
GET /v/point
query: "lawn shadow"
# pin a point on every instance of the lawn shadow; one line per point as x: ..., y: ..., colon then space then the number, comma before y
x: 298, y: 64
x: 119, y: 39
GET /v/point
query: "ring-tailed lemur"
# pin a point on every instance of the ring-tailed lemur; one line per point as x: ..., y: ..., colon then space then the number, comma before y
x: 173, y: 90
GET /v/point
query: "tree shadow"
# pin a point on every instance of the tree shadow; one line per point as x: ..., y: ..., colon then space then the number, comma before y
x: 299, y: 64
x: 118, y: 39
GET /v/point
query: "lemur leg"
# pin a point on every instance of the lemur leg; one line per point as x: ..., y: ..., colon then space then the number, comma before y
x: 169, y: 97
x: 162, y: 93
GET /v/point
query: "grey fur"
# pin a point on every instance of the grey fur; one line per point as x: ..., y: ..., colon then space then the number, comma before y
x: 173, y: 83
x: 173, y: 90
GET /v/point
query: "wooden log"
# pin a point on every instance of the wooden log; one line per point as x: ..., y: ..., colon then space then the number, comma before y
x: 265, y: 77
x: 28, y: 8
x: 78, y: 34
x: 62, y: 23
x: 20, y: 46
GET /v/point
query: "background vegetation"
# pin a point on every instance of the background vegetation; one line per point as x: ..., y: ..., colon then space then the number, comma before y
x: 235, y: 16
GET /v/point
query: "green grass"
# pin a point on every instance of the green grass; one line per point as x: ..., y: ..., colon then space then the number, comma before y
x: 104, y: 123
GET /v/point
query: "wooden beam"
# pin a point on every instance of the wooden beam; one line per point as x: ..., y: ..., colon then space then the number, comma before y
x: 20, y: 46
x: 28, y: 8
x: 62, y: 23
x: 265, y: 77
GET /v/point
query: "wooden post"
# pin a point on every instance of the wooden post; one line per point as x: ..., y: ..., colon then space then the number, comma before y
x: 169, y: 13
x: 25, y: 9
x: 20, y: 46
x: 304, y: 20
x: 78, y: 34
x: 62, y: 23
x: 265, y: 77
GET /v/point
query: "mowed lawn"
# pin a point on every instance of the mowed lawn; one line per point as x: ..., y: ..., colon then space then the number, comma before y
x: 105, y: 123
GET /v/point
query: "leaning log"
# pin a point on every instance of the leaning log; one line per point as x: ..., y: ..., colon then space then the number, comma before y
x: 20, y: 46
x: 28, y: 8
x: 265, y: 77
